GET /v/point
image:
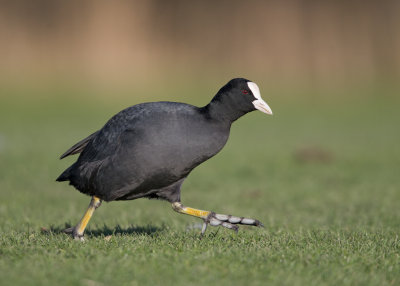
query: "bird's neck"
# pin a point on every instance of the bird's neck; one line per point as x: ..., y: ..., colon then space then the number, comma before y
x: 224, y: 110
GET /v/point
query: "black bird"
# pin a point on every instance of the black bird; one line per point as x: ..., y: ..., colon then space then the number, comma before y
x: 148, y: 150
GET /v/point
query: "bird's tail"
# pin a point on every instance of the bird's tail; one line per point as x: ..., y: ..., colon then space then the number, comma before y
x: 65, y: 175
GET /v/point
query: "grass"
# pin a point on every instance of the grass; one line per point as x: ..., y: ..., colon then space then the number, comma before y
x: 321, y: 174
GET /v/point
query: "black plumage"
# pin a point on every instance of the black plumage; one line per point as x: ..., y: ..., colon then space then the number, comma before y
x: 147, y: 150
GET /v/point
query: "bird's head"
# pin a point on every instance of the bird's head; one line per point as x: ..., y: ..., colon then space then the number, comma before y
x: 240, y: 96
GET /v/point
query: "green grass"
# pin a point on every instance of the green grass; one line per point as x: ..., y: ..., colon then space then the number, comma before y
x: 331, y: 214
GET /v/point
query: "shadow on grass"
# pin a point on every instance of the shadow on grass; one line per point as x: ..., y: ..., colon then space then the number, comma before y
x: 132, y: 230
x: 106, y: 230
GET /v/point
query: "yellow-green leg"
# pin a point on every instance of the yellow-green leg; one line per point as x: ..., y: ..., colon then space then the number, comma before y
x: 214, y: 219
x: 78, y: 231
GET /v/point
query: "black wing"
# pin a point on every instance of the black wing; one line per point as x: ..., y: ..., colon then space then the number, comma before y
x: 78, y: 147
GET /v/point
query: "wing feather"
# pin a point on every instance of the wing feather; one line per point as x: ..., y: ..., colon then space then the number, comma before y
x: 78, y: 147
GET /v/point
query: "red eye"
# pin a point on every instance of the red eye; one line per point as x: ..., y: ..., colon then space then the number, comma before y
x: 244, y: 91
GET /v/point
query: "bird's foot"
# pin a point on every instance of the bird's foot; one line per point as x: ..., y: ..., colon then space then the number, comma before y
x: 214, y: 219
x: 228, y: 221
x: 78, y: 231
x: 74, y: 233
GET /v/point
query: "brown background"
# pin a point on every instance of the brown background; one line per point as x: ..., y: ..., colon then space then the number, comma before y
x: 126, y: 42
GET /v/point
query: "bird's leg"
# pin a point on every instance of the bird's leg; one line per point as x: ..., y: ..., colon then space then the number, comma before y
x: 214, y: 219
x: 79, y: 229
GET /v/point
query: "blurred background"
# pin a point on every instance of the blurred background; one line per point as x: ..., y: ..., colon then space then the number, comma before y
x: 328, y: 69
x: 129, y: 44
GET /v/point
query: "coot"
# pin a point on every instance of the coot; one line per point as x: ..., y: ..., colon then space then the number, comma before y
x: 148, y: 150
